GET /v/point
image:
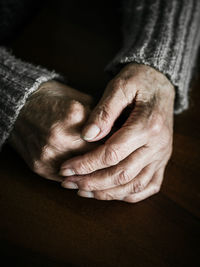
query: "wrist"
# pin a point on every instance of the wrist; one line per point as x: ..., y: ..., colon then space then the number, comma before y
x: 43, y: 87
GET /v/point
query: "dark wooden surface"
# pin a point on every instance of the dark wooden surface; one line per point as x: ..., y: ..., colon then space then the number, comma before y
x: 43, y: 224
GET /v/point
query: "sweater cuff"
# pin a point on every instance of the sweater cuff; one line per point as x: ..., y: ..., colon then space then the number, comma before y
x: 18, y: 80
x: 164, y: 35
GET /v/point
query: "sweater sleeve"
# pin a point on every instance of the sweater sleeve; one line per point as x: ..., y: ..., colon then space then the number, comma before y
x: 18, y: 80
x: 162, y: 34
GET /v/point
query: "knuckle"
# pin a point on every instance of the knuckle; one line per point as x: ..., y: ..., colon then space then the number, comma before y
x: 119, y: 87
x: 137, y: 186
x: 103, y: 114
x: 156, y: 189
x: 54, y: 137
x: 36, y: 164
x: 156, y: 124
x: 82, y: 167
x: 76, y: 111
x: 58, y: 137
x: 79, y: 167
x: 101, y: 195
x: 46, y: 153
x: 85, y: 185
x: 75, y: 105
x: 122, y: 178
x: 111, y: 156
x: 38, y: 167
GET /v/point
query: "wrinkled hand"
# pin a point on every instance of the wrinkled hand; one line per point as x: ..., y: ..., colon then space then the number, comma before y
x: 130, y: 165
x: 47, y: 130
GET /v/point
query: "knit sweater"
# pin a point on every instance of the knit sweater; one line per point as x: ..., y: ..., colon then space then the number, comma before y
x: 160, y: 33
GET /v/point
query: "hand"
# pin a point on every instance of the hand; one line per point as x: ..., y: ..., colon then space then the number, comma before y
x: 47, y: 130
x: 130, y: 165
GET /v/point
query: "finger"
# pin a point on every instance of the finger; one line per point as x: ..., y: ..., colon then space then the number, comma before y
x: 152, y: 188
x: 106, y: 112
x: 49, y: 174
x: 54, y: 177
x: 114, y: 176
x: 136, y: 185
x: 119, y: 146
x: 25, y: 154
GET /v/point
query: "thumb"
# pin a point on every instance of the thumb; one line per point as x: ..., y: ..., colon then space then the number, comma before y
x: 105, y: 113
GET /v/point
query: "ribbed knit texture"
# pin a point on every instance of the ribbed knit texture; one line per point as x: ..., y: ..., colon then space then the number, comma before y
x: 163, y: 34
x: 18, y: 80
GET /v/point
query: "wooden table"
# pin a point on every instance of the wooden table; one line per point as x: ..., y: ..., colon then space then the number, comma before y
x: 43, y: 224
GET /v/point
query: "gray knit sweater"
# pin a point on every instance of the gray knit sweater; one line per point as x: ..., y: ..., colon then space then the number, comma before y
x: 163, y: 34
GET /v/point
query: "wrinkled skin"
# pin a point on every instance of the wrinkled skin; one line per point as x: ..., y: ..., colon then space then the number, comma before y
x: 47, y: 130
x: 130, y: 165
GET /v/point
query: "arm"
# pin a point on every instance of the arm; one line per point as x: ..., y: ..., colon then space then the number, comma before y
x: 17, y: 81
x: 41, y: 116
x: 164, y: 36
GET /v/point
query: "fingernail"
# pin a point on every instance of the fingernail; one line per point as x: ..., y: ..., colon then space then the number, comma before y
x: 67, y: 172
x: 69, y: 185
x: 91, y: 132
x: 83, y: 193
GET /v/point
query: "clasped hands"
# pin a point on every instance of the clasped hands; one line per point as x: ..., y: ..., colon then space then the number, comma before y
x: 60, y: 138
